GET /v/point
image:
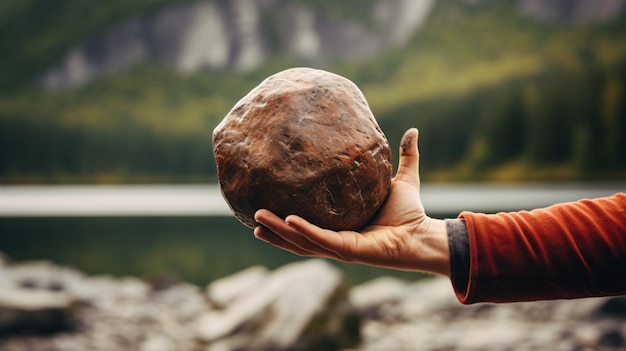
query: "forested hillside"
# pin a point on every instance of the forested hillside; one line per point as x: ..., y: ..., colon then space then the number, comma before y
x: 496, y: 96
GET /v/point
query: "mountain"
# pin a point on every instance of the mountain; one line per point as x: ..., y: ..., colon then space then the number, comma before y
x: 241, y: 35
x: 238, y: 35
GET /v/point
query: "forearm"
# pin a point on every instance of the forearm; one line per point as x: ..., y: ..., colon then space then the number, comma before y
x: 564, y: 251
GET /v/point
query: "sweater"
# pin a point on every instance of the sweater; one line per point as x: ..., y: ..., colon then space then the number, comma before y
x: 565, y: 251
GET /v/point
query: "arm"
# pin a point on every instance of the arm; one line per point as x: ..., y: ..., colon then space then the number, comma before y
x: 568, y: 250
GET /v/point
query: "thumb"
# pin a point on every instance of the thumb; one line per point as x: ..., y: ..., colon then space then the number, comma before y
x: 408, y: 167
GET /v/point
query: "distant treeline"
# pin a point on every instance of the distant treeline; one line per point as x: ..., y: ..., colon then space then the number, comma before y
x: 34, y: 150
x: 553, y: 126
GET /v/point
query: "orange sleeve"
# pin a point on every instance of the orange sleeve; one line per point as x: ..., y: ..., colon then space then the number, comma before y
x: 568, y: 250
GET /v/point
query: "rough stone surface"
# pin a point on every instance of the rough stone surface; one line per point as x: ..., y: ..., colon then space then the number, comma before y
x: 303, y: 142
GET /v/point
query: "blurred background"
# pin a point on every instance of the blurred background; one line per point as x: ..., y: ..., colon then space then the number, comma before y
x: 128, y: 93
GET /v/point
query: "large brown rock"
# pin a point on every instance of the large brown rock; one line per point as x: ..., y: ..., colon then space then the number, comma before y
x: 303, y: 142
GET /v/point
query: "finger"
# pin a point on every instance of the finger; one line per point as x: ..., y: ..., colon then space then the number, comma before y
x: 334, y: 243
x: 408, y: 167
x: 275, y: 230
x: 286, y: 236
x: 264, y: 234
x: 270, y: 220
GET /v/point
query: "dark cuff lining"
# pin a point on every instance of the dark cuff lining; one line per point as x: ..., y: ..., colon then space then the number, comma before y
x: 459, y: 253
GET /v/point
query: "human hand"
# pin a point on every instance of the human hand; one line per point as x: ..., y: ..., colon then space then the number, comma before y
x: 400, y: 236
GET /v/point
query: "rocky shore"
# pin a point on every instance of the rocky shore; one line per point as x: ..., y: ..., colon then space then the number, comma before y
x: 305, y: 305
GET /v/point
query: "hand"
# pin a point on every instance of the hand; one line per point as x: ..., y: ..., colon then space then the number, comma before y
x: 401, y: 236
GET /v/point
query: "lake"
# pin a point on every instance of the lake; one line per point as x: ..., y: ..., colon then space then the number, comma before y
x: 187, y: 232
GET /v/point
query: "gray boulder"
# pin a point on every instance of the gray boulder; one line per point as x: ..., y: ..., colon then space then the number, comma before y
x: 295, y: 307
x: 32, y: 300
x: 224, y: 291
x: 35, y: 311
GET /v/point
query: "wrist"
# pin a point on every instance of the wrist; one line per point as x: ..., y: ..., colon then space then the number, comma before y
x: 434, y: 248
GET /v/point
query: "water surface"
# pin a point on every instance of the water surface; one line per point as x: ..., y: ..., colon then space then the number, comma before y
x: 187, y: 232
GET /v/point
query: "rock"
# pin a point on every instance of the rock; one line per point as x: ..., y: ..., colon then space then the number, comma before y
x: 303, y: 142
x: 222, y: 292
x: 6, y: 280
x: 279, y: 313
x: 103, y: 312
x: 157, y: 343
x: 35, y: 298
x: 300, y: 306
x: 372, y: 298
x: 614, y: 307
x: 427, y: 314
x: 427, y: 297
x: 35, y: 311
x: 377, y: 291
x: 45, y: 275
